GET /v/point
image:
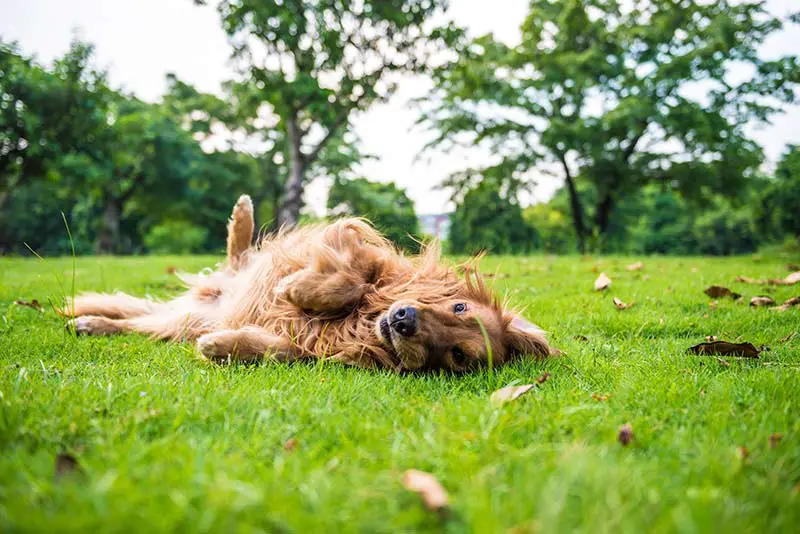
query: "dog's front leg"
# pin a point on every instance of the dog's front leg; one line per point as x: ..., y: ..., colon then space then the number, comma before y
x: 322, y: 292
x: 249, y: 343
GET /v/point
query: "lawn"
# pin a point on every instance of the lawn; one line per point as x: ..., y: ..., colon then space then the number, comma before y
x: 167, y: 442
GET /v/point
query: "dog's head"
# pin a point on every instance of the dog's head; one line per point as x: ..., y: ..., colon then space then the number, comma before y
x: 460, y: 333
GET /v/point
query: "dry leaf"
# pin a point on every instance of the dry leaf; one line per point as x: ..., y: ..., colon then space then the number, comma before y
x: 618, y: 304
x: 742, y: 453
x: 794, y: 301
x: 761, y: 301
x: 544, y: 378
x: 171, y: 269
x: 722, y: 362
x: 66, y: 464
x: 625, y: 434
x: 711, y: 338
x: 433, y: 494
x: 582, y: 338
x: 602, y: 282
x: 290, y: 445
x: 793, y: 267
x: 32, y: 304
x: 510, y: 393
x: 601, y: 398
x: 635, y: 266
x: 789, y: 337
x: 725, y: 348
x: 790, y: 280
x: 716, y: 292
x: 774, y: 439
x: 499, y: 276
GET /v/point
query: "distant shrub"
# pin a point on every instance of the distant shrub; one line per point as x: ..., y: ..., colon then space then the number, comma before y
x: 175, y: 237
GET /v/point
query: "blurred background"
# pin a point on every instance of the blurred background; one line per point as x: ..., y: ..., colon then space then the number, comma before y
x: 514, y: 126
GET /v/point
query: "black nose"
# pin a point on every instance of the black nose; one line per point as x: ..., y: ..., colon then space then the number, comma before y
x: 404, y: 321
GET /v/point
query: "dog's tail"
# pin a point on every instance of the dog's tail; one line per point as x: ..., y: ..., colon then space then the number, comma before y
x: 240, y: 233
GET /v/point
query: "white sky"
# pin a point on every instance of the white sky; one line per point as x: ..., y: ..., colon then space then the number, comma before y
x: 139, y: 41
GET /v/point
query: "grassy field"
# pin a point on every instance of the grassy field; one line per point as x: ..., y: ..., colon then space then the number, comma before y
x: 166, y: 442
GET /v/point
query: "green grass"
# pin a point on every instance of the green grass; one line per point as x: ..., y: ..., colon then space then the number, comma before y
x: 167, y: 442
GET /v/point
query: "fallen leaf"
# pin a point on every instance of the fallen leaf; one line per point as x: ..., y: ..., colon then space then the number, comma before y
x: 32, y: 304
x: 510, y: 393
x: 290, y: 445
x: 601, y: 398
x: 774, y: 439
x: 544, y: 378
x: 725, y: 348
x: 433, y: 494
x: 790, y: 280
x: 711, y: 338
x: 499, y: 276
x: 742, y: 453
x: 625, y: 434
x: 793, y: 267
x: 716, y: 292
x: 602, y: 282
x: 66, y: 464
x: 618, y: 304
x: 789, y: 337
x: 171, y: 269
x: 711, y: 304
x: 761, y: 301
x: 582, y: 338
x: 635, y: 266
x: 722, y: 362
x: 794, y: 301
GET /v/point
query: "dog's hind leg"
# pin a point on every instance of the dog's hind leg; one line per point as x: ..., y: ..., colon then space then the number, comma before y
x: 249, y: 343
x: 170, y: 323
x: 240, y: 232
x: 113, y: 306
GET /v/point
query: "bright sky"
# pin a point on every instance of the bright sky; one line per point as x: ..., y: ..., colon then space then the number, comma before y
x: 139, y: 41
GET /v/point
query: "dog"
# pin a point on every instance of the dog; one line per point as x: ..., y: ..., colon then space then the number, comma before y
x: 339, y: 291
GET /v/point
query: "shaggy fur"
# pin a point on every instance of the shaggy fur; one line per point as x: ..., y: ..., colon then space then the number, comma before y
x: 328, y: 291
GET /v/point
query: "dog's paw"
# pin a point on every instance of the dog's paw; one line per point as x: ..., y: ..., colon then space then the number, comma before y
x: 283, y: 287
x: 213, y: 346
x: 89, y: 325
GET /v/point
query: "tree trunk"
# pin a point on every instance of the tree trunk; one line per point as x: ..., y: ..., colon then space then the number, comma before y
x: 603, y: 214
x: 108, y: 239
x: 293, y: 195
x: 575, y: 208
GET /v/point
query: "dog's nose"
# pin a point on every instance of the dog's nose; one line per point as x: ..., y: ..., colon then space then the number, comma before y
x: 404, y: 321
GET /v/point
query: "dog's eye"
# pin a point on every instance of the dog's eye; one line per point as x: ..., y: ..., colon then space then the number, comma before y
x: 459, y: 358
x: 460, y: 307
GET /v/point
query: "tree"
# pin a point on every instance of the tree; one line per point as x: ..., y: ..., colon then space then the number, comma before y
x: 386, y: 205
x: 779, y: 212
x: 487, y: 219
x: 617, y: 95
x: 315, y: 63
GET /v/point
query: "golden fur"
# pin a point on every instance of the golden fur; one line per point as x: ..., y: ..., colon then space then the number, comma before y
x: 324, y: 291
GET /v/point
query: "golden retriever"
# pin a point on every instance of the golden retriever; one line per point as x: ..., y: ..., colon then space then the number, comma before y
x: 339, y: 291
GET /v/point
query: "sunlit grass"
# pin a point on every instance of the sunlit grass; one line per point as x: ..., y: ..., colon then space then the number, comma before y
x: 167, y: 442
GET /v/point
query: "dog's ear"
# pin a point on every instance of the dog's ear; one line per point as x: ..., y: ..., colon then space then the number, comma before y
x: 523, y: 337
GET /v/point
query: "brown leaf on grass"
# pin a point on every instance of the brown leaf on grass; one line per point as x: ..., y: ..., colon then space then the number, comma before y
x: 790, y: 280
x: 726, y: 348
x: 66, y: 464
x: 792, y: 267
x: 433, y: 494
x: 544, y: 378
x: 743, y: 453
x: 635, y: 266
x: 711, y: 338
x: 291, y: 444
x: 788, y: 337
x: 581, y: 338
x: 602, y: 282
x: 601, y: 398
x: 760, y: 301
x: 618, y: 304
x: 32, y: 304
x: 792, y: 302
x: 718, y: 292
x: 171, y: 269
x: 510, y: 393
x: 722, y: 362
x: 499, y: 276
x: 625, y: 435
x: 774, y: 439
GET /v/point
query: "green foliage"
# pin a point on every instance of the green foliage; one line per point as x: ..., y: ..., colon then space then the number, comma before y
x: 488, y: 219
x: 779, y: 207
x: 327, y: 59
x: 386, y: 205
x: 609, y: 95
x: 175, y: 237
